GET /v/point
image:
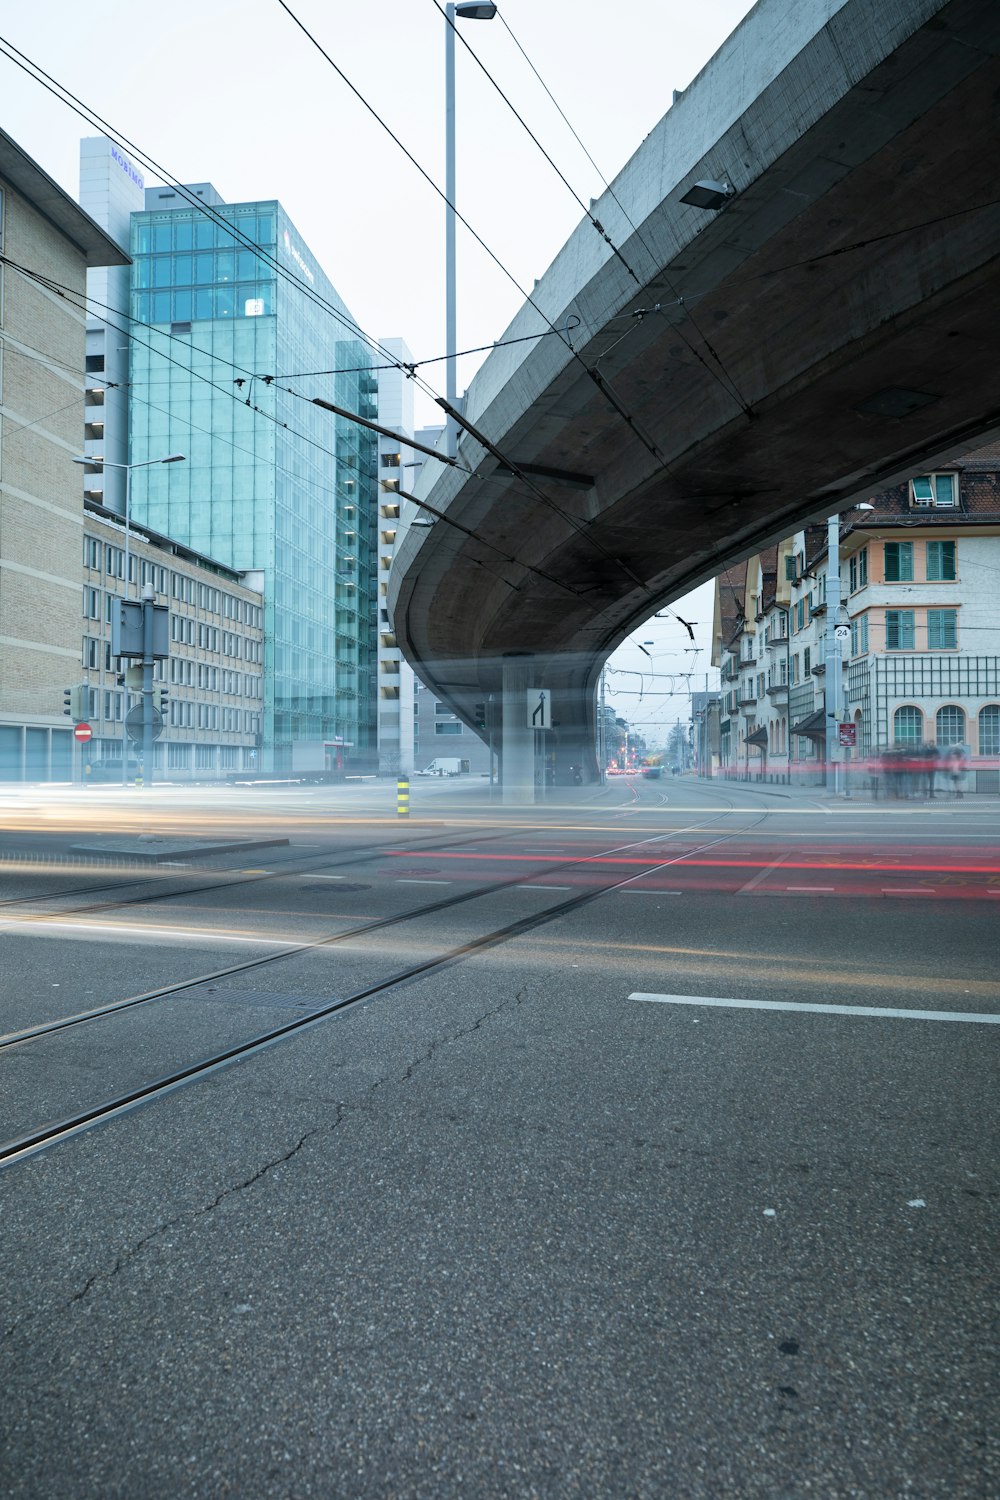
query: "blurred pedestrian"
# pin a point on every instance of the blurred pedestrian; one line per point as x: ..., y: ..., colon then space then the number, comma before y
x: 955, y: 762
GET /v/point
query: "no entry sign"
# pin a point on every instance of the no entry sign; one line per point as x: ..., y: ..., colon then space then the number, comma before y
x: 82, y: 733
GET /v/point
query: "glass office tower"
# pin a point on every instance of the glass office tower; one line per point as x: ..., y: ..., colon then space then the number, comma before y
x: 271, y: 482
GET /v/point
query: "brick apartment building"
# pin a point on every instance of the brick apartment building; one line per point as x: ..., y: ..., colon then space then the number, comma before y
x: 43, y: 234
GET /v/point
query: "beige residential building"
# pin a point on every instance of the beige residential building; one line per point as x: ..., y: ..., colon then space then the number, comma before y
x: 46, y: 244
x: 213, y: 679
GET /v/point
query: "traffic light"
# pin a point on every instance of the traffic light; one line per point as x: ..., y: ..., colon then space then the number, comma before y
x: 68, y: 702
x: 480, y: 715
x: 161, y: 699
x: 76, y: 701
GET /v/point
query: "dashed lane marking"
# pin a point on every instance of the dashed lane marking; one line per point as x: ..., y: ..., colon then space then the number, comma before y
x: 887, y: 1013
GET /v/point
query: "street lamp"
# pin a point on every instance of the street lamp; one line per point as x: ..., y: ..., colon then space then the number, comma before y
x: 107, y: 463
x: 462, y: 10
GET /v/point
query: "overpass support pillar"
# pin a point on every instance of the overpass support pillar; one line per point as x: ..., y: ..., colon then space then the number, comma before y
x: 517, y: 749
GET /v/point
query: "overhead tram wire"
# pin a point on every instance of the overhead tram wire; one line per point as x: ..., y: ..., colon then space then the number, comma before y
x: 436, y: 359
x: 81, y: 302
x: 92, y: 117
x: 595, y: 223
x: 721, y: 376
x: 67, y: 97
x: 69, y: 293
x: 592, y: 374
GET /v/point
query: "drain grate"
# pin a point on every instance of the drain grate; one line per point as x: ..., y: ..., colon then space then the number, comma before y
x: 259, y: 999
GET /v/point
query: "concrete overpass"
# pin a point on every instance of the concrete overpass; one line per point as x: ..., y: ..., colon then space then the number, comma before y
x: 731, y: 373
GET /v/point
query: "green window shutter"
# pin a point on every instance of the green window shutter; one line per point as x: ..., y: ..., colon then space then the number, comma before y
x: 942, y: 629
x: 940, y: 561
x: 898, y: 562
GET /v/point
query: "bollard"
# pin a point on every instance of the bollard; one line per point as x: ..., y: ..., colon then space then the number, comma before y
x: 403, y: 797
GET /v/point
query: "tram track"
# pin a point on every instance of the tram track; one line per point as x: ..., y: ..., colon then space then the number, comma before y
x: 55, y: 1131
x: 431, y: 908
x: 363, y: 854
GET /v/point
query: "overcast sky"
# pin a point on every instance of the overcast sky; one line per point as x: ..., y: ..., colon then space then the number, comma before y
x: 235, y: 94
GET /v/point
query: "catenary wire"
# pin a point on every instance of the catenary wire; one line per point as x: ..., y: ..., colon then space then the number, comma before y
x: 65, y: 96
x: 721, y: 375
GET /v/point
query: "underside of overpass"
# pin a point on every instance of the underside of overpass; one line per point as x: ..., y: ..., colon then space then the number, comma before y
x: 733, y: 373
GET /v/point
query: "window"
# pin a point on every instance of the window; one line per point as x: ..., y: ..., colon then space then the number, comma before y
x: 934, y: 491
x: 91, y: 552
x: 942, y: 629
x: 448, y: 728
x: 178, y: 757
x: 91, y: 604
x: 858, y: 570
x: 859, y: 636
x: 940, y: 562
x: 898, y: 562
x: 899, y: 630
x: 91, y: 652
x: 989, y: 729
x: 389, y: 460
x: 907, y: 726
x: 806, y: 661
x: 950, y: 725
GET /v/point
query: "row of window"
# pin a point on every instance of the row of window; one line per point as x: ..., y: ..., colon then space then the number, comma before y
x: 949, y: 727
x: 185, y: 715
x: 215, y: 601
x: 186, y: 672
x: 181, y: 231
x: 187, y: 632
x: 247, y: 299
x: 202, y: 268
x: 182, y: 588
x: 178, y: 757
x: 898, y: 558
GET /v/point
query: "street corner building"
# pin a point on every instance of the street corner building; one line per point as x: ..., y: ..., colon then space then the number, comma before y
x: 47, y: 244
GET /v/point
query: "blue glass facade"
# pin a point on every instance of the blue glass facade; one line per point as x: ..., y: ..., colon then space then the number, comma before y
x: 271, y: 482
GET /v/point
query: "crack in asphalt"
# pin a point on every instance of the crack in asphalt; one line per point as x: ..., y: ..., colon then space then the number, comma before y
x: 126, y: 1258
x: 130, y: 1255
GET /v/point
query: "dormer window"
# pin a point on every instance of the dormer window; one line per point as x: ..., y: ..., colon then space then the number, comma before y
x: 934, y: 491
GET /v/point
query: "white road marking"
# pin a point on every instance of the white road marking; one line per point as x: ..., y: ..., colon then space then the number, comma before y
x: 905, y: 890
x: 762, y: 875
x: 423, y: 882
x: 809, y: 887
x: 323, y: 877
x: 883, y: 1012
x: 542, y: 888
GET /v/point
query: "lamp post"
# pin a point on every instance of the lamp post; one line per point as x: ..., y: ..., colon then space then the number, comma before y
x: 462, y: 10
x: 107, y: 463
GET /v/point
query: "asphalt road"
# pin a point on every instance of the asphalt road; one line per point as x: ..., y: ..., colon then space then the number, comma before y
x: 506, y: 1229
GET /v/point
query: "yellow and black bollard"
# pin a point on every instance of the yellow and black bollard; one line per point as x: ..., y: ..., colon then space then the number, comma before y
x: 403, y: 797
